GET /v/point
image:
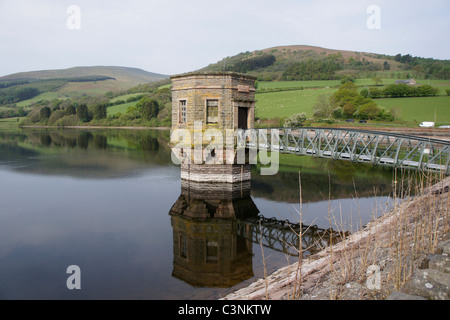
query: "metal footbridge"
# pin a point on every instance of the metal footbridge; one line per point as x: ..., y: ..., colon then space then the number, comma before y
x: 359, y: 146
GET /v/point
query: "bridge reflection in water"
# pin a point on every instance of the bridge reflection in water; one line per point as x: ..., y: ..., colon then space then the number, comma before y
x: 214, y: 228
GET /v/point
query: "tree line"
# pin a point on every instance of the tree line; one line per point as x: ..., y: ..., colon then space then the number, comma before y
x: 151, y: 109
x: 348, y: 103
x: 401, y: 90
x: 145, y: 108
x: 313, y: 69
x: 14, y: 94
x: 254, y: 63
x: 12, y: 83
x: 427, y: 67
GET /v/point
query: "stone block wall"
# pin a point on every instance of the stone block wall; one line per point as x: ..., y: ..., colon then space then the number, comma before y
x: 232, y: 90
x: 216, y: 173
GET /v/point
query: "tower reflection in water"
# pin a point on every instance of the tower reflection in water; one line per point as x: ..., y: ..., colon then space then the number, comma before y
x: 208, y: 252
x: 214, y: 226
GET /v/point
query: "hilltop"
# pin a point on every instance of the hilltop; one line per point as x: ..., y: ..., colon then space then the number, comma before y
x: 302, y: 62
x: 125, y: 77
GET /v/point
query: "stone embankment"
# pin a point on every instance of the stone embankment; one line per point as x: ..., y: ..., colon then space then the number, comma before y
x: 431, y: 281
x: 402, y: 255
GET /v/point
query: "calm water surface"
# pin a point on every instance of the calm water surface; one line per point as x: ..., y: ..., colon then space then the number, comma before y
x: 112, y: 203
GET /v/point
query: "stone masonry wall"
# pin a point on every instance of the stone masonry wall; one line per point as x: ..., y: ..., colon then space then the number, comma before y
x: 230, y: 89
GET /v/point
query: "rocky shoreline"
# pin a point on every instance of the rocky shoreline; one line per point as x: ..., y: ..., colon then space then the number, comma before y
x: 431, y: 281
x: 403, y: 255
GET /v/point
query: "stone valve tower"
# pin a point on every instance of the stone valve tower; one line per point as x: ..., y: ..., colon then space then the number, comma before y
x: 207, y: 111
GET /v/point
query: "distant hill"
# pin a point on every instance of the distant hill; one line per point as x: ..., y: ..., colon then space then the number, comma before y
x: 72, y: 83
x: 124, y: 75
x: 301, y: 62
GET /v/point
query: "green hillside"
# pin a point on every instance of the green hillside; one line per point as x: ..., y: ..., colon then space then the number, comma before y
x: 126, y: 76
x: 292, y: 78
x: 26, y: 88
x: 316, y: 63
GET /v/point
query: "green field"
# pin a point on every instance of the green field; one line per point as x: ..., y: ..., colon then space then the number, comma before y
x: 419, y: 109
x: 43, y: 96
x: 264, y: 85
x: 9, y: 123
x: 120, y: 108
x: 125, y: 97
x: 286, y: 103
x: 297, y: 84
x: 281, y: 104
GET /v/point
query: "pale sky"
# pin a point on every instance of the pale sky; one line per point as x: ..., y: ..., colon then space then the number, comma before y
x: 176, y: 36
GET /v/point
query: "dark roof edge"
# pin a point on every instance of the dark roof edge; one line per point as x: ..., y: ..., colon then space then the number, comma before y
x: 214, y: 73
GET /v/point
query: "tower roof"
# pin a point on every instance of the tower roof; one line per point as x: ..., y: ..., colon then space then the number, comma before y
x: 214, y: 73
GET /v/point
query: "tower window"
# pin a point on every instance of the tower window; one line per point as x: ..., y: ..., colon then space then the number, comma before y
x: 212, y: 111
x: 182, y: 111
x: 183, y: 246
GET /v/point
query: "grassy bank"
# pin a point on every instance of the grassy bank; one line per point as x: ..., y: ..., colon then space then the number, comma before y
x: 9, y: 123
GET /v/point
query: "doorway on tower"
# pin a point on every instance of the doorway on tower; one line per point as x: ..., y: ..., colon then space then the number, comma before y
x: 243, y: 118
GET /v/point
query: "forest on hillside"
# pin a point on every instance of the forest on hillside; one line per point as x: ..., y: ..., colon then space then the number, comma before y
x: 287, y: 64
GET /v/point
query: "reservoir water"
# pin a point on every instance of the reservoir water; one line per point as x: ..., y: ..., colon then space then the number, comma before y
x: 110, y: 202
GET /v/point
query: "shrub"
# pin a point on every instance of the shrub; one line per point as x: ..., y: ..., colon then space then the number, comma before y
x: 337, y: 113
x: 45, y: 113
x: 323, y: 108
x: 149, y: 108
x: 347, y: 78
x: 34, y: 116
x: 100, y: 112
x: 386, y: 116
x: 55, y: 116
x: 348, y: 110
x: 71, y: 120
x: 375, y: 92
x: 427, y: 90
x: 397, y: 90
x: 83, y: 113
x: 368, y: 111
x: 347, y: 93
x: 364, y: 92
x: 297, y: 120
x: 327, y: 120
x: 404, y: 90
x: 71, y: 110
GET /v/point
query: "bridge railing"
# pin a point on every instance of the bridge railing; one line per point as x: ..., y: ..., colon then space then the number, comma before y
x: 364, y: 146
